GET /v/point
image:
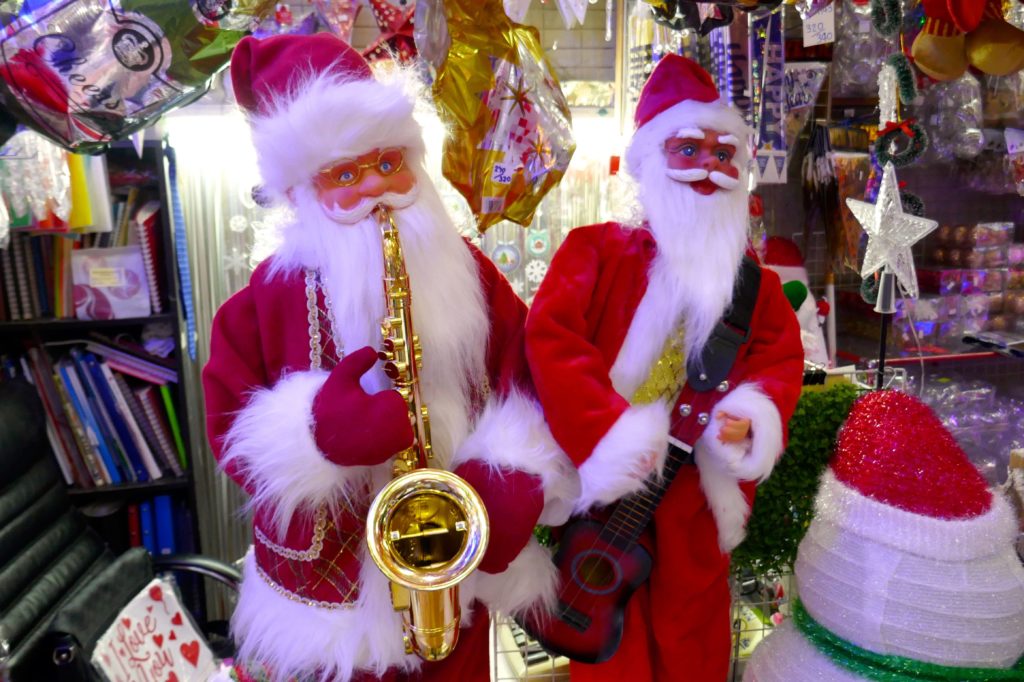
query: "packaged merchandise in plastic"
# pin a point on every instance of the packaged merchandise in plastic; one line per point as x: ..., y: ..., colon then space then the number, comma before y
x: 511, y: 136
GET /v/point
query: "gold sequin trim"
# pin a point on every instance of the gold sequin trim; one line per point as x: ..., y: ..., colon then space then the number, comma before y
x: 313, y: 552
x: 288, y: 594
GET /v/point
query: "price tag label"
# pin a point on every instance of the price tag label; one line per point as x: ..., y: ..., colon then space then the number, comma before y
x: 106, y: 277
x: 820, y: 27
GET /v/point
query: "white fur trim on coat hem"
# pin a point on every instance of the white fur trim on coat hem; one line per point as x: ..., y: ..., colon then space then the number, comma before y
x: 271, y: 444
x: 617, y: 467
x: 512, y: 433
x: 723, y: 465
x: 530, y: 582
x: 297, y: 640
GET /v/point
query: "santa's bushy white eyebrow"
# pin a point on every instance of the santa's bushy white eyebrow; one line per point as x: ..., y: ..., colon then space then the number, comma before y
x: 690, y: 133
x: 729, y: 139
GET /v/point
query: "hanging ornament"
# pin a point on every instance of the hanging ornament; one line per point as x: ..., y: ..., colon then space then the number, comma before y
x: 886, y: 17
x: 430, y: 32
x: 905, y: 80
x: 507, y: 258
x: 891, y: 232
x: 538, y: 242
x: 338, y: 15
x: 914, y: 141
x: 395, y: 21
x: 512, y: 136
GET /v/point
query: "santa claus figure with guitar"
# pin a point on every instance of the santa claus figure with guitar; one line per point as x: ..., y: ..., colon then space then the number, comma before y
x: 667, y: 362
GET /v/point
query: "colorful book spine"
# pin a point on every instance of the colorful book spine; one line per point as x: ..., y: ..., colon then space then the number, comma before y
x: 35, y: 247
x: 141, y: 446
x: 151, y: 405
x: 103, y: 420
x: 163, y: 519
x: 10, y: 288
x: 172, y: 419
x: 116, y: 416
x: 167, y: 456
x: 134, y: 527
x: 145, y: 226
x: 78, y: 401
x: 90, y: 456
x: 147, y: 526
x: 132, y: 365
x: 32, y: 276
x: 65, y: 445
x: 21, y: 275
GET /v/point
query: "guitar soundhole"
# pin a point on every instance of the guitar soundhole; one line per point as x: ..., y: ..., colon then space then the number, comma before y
x: 596, y: 572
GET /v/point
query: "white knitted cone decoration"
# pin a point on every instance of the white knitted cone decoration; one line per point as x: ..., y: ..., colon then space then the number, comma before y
x: 908, y: 563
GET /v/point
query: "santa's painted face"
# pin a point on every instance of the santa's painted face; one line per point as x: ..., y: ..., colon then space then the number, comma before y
x: 704, y: 158
x: 349, y: 189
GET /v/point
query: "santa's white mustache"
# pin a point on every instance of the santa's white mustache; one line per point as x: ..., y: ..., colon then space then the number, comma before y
x: 351, y: 216
x: 697, y: 174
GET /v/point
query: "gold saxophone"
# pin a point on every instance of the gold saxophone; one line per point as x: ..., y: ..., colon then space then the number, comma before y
x: 427, y: 529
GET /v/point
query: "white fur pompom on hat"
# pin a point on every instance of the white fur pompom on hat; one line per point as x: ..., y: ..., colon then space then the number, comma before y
x: 311, y: 100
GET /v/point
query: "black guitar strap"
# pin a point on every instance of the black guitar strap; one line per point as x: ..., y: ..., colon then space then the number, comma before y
x: 720, y: 352
x: 731, y: 332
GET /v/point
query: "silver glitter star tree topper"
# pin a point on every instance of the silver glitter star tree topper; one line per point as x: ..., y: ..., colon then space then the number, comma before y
x: 891, y: 233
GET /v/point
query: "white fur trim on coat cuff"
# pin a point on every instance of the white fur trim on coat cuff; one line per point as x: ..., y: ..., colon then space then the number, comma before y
x: 618, y: 465
x: 754, y: 458
x: 512, y: 433
x: 530, y: 582
x: 271, y: 442
x: 723, y: 465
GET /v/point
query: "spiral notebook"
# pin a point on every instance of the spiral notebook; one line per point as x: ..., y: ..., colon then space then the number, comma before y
x: 146, y: 221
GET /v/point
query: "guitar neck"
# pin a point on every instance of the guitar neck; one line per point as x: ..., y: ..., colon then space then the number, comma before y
x: 633, y: 513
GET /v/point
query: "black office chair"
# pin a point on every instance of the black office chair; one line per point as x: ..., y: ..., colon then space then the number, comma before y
x: 60, y: 585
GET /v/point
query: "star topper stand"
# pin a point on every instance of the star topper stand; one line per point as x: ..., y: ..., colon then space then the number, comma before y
x: 891, y: 232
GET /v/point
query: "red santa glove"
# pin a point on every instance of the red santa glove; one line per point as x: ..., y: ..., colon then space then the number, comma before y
x: 514, y: 500
x: 353, y: 427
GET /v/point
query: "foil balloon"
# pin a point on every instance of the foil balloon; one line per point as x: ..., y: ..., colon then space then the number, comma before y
x: 87, y: 72
x: 394, y: 20
x: 288, y: 20
x: 338, y: 15
x: 512, y: 133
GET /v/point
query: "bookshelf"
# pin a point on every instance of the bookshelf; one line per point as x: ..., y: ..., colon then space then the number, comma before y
x: 109, y: 507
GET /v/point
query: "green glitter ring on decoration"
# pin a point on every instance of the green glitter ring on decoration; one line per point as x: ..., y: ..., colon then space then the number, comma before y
x: 917, y: 144
x: 905, y: 81
x: 889, y: 667
x: 886, y: 17
x: 869, y: 290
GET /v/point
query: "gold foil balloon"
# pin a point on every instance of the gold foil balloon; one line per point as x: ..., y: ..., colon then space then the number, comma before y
x: 87, y: 72
x: 512, y: 133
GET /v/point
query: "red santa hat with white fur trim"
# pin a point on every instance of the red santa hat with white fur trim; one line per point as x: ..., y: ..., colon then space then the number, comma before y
x: 679, y: 99
x: 312, y: 99
x: 908, y: 568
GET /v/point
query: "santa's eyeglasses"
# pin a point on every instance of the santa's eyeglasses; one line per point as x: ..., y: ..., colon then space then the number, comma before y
x: 348, y: 172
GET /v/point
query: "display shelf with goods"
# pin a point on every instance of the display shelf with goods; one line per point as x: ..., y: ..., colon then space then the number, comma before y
x: 112, y: 386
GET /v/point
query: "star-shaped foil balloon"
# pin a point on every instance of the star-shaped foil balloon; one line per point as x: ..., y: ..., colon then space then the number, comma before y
x: 395, y: 22
x: 891, y: 232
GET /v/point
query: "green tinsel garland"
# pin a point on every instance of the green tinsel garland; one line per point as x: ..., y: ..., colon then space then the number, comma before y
x: 784, y: 504
x: 886, y: 17
x: 890, y: 667
x: 905, y: 80
x: 917, y: 144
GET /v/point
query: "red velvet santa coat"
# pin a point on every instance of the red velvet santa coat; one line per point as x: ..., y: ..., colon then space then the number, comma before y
x: 312, y: 593
x: 677, y: 625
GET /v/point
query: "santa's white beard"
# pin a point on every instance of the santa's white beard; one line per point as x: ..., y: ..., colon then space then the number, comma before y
x: 701, y: 241
x: 447, y: 303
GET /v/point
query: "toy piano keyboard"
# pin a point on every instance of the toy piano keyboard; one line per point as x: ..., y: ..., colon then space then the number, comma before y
x: 519, y: 658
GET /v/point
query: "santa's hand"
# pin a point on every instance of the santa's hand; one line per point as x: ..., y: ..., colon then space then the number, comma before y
x: 353, y: 427
x: 514, y: 501
x: 733, y: 429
